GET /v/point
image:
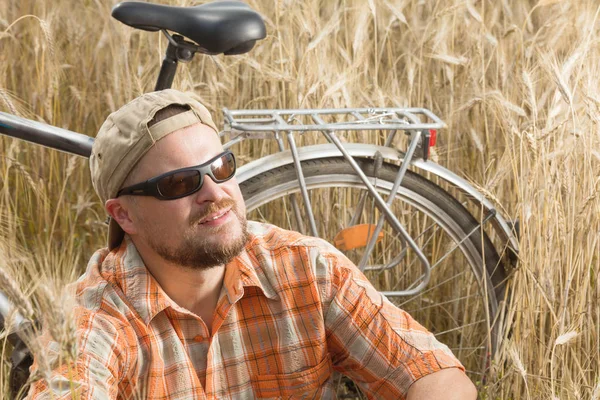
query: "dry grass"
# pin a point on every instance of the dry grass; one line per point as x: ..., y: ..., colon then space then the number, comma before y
x: 516, y: 80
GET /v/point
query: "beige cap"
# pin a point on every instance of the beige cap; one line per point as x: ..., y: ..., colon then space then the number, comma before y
x: 124, y: 138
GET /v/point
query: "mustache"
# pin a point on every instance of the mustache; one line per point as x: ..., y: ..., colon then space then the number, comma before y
x: 213, y: 208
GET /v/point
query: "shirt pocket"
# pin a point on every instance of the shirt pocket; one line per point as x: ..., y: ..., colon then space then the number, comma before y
x: 296, y: 385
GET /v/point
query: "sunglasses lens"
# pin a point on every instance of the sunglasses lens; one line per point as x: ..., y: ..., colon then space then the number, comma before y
x: 179, y: 184
x: 223, y: 168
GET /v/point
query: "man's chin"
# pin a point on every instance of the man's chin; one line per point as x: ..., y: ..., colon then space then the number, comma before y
x: 215, y: 256
x: 208, y: 246
x: 227, y: 241
x: 218, y: 249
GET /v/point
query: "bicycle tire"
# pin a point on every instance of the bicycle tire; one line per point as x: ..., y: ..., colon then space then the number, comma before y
x: 263, y: 190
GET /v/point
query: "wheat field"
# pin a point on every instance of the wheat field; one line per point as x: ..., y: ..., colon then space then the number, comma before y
x: 516, y: 81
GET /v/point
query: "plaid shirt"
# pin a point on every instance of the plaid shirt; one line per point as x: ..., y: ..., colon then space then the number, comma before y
x: 292, y: 309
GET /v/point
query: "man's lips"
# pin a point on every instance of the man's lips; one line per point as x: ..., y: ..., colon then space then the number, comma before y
x: 214, y: 216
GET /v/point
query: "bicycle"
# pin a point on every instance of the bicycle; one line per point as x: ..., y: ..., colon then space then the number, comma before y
x: 399, y: 216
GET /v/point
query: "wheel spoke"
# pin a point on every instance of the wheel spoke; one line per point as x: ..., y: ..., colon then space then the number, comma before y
x: 441, y: 303
x: 456, y: 246
x: 409, y: 267
x: 429, y: 290
x: 459, y: 327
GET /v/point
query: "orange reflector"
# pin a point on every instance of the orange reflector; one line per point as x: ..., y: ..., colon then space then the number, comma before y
x: 355, y: 236
x: 432, y: 137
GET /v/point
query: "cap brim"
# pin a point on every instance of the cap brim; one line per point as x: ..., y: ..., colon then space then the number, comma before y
x: 115, y: 235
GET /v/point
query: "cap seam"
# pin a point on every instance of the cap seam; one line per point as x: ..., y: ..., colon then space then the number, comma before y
x: 157, y: 128
x: 213, y: 126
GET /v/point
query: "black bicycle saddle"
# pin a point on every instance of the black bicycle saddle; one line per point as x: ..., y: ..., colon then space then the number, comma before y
x: 229, y: 27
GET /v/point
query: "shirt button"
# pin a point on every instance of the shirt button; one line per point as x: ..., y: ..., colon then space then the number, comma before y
x: 198, y: 338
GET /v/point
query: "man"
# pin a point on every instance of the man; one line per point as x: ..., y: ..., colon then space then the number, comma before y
x: 191, y: 301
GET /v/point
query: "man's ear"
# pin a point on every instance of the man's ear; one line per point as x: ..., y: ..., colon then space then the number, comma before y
x: 119, y: 211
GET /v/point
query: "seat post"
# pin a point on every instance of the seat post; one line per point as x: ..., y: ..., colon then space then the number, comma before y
x: 177, y: 50
x: 168, y: 68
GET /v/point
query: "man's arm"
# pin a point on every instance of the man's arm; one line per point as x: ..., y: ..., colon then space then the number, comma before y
x: 381, y: 347
x: 447, y: 384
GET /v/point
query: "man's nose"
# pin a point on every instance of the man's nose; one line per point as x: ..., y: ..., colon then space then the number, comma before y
x: 210, y: 191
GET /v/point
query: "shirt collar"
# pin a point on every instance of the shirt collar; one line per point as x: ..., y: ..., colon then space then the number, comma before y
x: 139, y: 287
x: 246, y: 271
x: 148, y: 298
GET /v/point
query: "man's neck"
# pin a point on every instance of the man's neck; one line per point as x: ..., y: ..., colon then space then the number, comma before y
x: 196, y: 290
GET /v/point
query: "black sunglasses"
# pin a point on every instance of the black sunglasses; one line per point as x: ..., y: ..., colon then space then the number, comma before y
x: 185, y: 181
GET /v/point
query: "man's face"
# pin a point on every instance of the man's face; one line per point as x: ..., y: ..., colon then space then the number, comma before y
x: 202, y: 230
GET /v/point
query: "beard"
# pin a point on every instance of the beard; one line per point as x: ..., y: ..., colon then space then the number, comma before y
x: 199, y: 251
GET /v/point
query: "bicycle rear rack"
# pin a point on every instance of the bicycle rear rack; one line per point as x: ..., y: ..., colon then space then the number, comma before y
x: 334, y: 119
x: 255, y: 123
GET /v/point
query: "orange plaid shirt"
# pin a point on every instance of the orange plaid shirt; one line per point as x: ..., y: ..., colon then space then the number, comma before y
x: 292, y: 309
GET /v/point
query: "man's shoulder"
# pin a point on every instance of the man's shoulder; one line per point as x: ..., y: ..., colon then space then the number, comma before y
x: 273, y: 238
x: 281, y: 251
x: 95, y: 290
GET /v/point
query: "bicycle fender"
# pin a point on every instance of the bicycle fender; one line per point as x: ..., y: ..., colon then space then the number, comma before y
x: 263, y: 164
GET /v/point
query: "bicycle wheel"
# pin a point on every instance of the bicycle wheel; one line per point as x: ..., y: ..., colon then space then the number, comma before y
x: 460, y: 303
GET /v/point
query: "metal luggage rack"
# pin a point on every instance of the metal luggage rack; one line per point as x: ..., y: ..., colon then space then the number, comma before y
x: 342, y: 119
x: 242, y: 124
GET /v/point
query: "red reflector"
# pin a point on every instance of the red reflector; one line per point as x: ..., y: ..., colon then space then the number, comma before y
x: 432, y: 137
